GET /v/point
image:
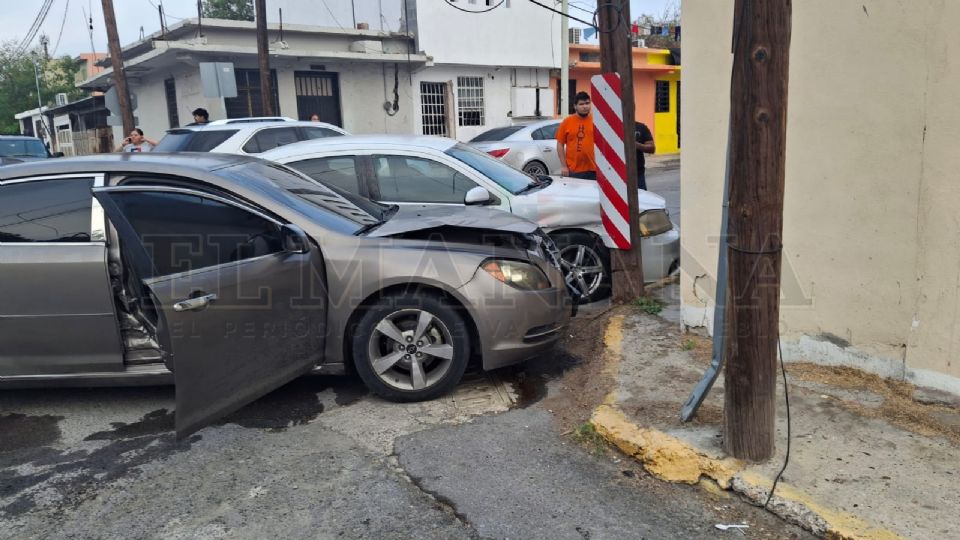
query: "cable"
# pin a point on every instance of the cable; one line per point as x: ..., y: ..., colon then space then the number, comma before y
x: 63, y: 23
x: 489, y: 9
x: 786, y: 397
x: 35, y: 27
x: 557, y: 11
x: 165, y: 14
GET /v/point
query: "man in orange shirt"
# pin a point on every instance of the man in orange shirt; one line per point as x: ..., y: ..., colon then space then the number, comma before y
x: 575, y: 141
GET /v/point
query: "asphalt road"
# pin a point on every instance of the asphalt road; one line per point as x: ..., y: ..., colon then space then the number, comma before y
x: 666, y: 183
x: 320, y: 458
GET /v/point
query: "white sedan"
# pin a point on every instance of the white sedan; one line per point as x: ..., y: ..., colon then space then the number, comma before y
x: 407, y: 170
x: 531, y: 147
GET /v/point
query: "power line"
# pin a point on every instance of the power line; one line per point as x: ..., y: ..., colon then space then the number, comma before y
x: 165, y: 14
x: 35, y: 27
x: 557, y: 11
x: 489, y: 9
x: 62, y: 24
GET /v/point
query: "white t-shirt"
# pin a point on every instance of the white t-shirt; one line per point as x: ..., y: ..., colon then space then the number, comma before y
x: 142, y: 147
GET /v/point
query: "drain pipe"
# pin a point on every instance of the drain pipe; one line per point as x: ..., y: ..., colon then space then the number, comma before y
x: 720, y: 306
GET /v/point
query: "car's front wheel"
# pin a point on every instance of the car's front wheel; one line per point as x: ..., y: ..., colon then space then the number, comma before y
x: 411, y: 347
x: 585, y: 263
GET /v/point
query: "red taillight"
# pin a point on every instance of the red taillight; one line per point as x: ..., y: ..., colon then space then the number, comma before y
x: 498, y: 153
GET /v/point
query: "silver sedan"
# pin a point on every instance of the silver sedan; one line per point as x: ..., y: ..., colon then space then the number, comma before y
x: 532, y: 148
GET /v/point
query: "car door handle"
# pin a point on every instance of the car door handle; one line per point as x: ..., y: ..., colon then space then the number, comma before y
x: 199, y: 302
x: 547, y: 149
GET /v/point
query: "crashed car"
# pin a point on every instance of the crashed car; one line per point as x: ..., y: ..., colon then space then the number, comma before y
x: 229, y: 276
x: 412, y: 171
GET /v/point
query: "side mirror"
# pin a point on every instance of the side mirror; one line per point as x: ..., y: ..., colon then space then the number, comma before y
x: 294, y: 239
x: 477, y: 196
x: 57, y: 154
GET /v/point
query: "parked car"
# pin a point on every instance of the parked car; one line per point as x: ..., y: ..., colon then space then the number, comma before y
x: 434, y: 170
x: 23, y: 148
x: 230, y: 275
x: 531, y: 147
x: 244, y: 135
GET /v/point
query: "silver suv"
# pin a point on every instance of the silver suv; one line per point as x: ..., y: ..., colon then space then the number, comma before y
x: 244, y: 135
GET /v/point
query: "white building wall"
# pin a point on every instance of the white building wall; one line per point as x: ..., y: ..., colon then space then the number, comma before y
x: 497, y: 87
x: 518, y: 33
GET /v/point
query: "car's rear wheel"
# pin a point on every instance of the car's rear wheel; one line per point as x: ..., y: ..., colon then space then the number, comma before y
x: 536, y: 168
x: 585, y: 263
x: 411, y: 347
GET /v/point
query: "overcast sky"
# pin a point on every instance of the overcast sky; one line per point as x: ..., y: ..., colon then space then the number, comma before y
x: 133, y: 14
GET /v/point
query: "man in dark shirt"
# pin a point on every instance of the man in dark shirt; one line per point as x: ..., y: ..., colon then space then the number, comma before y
x: 645, y: 145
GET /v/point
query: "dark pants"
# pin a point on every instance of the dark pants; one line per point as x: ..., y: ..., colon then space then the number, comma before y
x: 586, y: 175
x: 642, y: 180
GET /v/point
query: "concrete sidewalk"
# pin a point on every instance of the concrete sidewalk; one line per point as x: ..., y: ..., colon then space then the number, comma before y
x: 870, y: 458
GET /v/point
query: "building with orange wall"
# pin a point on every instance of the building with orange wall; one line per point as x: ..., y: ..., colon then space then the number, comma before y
x: 656, y: 89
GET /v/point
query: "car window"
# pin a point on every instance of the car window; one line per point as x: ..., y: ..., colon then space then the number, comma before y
x: 319, y: 133
x: 46, y: 211
x: 338, y: 171
x: 31, y: 148
x: 187, y: 140
x: 412, y: 179
x: 496, y: 134
x: 549, y: 132
x: 268, y: 139
x: 506, y: 176
x: 183, y: 232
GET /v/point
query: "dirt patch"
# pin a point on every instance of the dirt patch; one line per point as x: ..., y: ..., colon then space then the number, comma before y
x: 898, y: 407
x: 584, y: 387
x: 699, y: 347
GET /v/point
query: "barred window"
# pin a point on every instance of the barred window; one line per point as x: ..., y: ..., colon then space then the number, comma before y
x: 470, y: 101
x: 662, y: 104
x: 433, y: 101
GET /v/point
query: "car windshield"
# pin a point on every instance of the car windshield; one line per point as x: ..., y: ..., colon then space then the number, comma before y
x: 496, y: 134
x: 22, y: 148
x: 506, y: 176
x: 188, y: 140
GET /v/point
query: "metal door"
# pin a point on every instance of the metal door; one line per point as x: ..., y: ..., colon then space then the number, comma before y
x: 318, y: 93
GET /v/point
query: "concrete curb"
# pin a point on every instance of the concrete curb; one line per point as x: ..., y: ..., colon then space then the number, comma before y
x: 673, y: 460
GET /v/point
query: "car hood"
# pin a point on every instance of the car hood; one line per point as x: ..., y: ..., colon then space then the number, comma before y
x: 571, y: 201
x: 417, y: 218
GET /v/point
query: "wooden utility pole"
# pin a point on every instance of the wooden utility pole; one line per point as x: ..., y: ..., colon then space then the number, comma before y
x: 616, y: 55
x: 758, y: 116
x: 116, y: 59
x: 263, y: 52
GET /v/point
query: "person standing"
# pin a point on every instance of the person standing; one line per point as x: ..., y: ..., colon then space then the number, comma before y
x: 314, y: 117
x: 136, y: 142
x: 645, y: 145
x: 575, y: 141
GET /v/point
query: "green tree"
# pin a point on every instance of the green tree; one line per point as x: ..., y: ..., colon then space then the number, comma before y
x: 237, y: 10
x: 18, y: 86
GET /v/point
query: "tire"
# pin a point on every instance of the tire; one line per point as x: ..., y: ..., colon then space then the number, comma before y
x: 536, y: 168
x: 390, y: 372
x: 593, y: 252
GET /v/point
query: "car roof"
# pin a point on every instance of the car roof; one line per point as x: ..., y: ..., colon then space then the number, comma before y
x: 245, y: 124
x: 185, y: 163
x: 396, y: 142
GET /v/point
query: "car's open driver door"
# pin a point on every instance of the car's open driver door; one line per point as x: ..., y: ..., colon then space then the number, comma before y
x: 235, y: 330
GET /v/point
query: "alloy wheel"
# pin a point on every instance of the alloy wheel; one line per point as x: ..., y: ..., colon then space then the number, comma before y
x: 582, y: 268
x: 411, y: 349
x: 535, y: 169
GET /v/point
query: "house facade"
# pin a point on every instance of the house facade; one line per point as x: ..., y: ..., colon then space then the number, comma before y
x: 871, y: 258
x: 656, y: 89
x: 441, y: 72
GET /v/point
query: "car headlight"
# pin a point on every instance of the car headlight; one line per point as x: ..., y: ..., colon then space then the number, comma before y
x: 520, y: 275
x: 654, y: 222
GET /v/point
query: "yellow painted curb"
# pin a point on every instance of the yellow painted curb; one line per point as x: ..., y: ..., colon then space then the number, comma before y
x: 674, y: 460
x: 664, y: 456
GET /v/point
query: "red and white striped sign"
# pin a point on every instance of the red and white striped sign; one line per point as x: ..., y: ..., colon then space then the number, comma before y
x: 611, y: 161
